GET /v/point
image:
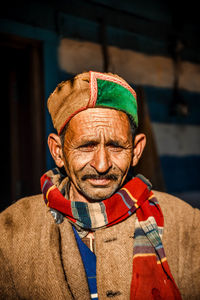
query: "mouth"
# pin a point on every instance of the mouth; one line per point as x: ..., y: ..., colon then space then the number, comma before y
x: 99, y: 181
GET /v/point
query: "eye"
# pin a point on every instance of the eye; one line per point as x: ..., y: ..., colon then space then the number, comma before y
x: 115, y: 146
x: 89, y: 146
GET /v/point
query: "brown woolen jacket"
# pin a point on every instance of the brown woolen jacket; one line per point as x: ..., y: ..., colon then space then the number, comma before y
x: 40, y: 259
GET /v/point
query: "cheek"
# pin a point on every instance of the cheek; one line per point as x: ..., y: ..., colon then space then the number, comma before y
x: 76, y: 161
x: 122, y: 160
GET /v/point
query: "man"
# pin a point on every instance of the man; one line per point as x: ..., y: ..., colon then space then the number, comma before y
x: 96, y: 233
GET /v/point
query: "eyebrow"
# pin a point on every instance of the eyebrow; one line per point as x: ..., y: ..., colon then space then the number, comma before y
x: 95, y: 140
x: 115, y: 143
x: 86, y: 143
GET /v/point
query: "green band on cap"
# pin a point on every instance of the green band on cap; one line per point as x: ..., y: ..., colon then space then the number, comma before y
x: 111, y: 94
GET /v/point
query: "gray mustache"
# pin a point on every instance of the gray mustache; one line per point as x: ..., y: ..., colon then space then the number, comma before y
x: 95, y: 176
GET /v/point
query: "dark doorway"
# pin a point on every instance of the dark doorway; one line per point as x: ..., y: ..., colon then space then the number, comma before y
x: 22, y: 118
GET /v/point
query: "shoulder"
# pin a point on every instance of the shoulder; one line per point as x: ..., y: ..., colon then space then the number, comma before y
x: 169, y: 202
x: 22, y: 213
x: 177, y: 213
x: 24, y: 205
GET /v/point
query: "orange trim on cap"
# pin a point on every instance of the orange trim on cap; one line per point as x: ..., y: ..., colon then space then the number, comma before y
x: 71, y: 116
x: 93, y: 89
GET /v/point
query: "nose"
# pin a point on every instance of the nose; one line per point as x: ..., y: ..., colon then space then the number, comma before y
x: 101, y: 161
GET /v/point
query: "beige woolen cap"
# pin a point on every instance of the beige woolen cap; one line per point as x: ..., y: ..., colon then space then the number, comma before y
x: 89, y: 90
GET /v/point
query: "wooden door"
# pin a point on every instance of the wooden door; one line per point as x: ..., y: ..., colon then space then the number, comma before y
x: 22, y: 118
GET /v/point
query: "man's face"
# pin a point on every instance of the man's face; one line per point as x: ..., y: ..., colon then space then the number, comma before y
x: 98, y: 152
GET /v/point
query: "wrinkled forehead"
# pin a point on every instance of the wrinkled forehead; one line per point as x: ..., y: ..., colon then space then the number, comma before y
x: 99, y: 116
x: 99, y: 121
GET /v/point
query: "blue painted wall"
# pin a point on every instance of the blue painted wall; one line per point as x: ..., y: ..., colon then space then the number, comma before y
x: 159, y: 103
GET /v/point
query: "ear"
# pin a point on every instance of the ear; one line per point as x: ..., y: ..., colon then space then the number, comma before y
x: 55, y: 148
x: 139, y: 144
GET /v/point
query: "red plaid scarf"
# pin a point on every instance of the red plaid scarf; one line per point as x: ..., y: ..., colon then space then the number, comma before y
x: 151, y: 278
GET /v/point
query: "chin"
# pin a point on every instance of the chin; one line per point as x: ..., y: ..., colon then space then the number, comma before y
x: 98, y: 196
